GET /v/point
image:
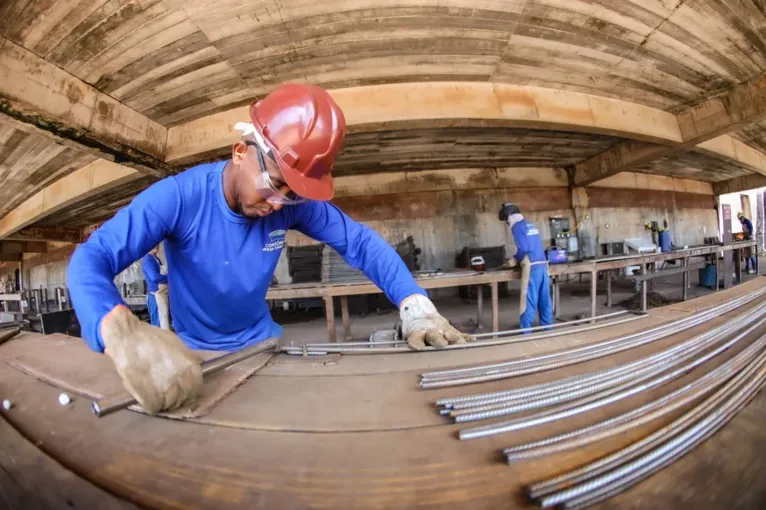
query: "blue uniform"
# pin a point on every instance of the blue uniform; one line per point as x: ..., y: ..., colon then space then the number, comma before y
x: 529, y: 243
x: 220, y: 263
x: 151, y: 268
x: 747, y: 226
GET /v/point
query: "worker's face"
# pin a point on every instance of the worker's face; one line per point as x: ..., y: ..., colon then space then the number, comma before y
x: 249, y: 201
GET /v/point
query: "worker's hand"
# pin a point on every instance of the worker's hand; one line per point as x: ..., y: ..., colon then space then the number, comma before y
x: 154, y: 364
x: 422, y: 325
x: 511, y: 262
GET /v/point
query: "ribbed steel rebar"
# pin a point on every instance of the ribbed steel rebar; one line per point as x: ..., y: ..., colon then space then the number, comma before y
x: 650, y: 367
x: 648, y: 470
x: 647, y: 463
x: 611, y: 396
x: 552, y: 364
x: 544, y: 388
x: 644, y: 414
x: 551, y: 361
x: 370, y: 348
x: 634, y: 450
x: 717, y: 310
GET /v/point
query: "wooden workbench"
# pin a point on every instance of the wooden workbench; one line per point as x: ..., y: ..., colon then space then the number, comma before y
x: 493, y: 278
x: 353, y: 433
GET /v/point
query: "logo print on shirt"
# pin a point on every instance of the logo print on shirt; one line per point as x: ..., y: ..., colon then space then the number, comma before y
x: 277, y: 240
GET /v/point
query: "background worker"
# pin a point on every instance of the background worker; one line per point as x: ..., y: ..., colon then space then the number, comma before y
x: 156, y: 289
x: 535, y: 285
x: 751, y: 261
x: 224, y: 226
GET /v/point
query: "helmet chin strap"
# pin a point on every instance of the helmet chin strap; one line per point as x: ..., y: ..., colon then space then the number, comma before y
x: 248, y: 128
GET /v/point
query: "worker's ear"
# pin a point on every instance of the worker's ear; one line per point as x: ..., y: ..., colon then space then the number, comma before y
x: 238, y: 153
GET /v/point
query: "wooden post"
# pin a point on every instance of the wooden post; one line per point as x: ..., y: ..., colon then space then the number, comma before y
x: 330, y: 311
x: 738, y: 264
x: 495, y: 308
x: 686, y: 280
x: 556, y: 298
x: 609, y: 288
x: 479, y: 305
x: 344, y: 314
x: 593, y: 282
x: 643, y: 289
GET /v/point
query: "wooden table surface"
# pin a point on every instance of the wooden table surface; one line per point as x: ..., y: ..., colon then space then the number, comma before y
x: 308, y: 433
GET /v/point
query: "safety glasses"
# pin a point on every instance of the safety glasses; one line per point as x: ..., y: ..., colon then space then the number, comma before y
x: 265, y: 185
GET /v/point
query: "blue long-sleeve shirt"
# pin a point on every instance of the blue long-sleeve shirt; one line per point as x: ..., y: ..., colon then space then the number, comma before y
x: 528, y: 241
x: 747, y: 226
x: 151, y: 268
x: 220, y: 263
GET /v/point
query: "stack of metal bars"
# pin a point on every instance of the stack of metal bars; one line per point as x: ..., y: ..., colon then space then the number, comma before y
x: 584, y: 392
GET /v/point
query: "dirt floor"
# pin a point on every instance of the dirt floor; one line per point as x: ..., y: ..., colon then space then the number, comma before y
x: 310, y: 326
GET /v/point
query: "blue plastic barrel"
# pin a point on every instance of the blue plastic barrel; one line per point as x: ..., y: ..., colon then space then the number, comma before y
x: 665, y: 241
x: 707, y: 275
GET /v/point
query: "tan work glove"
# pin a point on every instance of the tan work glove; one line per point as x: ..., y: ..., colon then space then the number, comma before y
x: 422, y: 324
x: 511, y: 262
x: 154, y: 364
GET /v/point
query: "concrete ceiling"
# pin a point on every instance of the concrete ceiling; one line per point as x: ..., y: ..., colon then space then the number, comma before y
x: 155, y: 86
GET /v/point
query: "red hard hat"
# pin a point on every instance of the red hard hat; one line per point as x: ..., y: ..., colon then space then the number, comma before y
x: 304, y: 129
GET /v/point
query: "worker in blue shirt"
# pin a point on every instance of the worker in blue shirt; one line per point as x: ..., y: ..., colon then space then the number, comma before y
x: 751, y: 261
x: 156, y: 289
x: 224, y: 226
x: 535, y: 285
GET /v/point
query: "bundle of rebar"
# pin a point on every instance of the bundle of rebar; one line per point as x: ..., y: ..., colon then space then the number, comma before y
x: 540, y: 363
x: 723, y: 391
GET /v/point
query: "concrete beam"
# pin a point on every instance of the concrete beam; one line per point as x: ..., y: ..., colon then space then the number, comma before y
x: 94, y: 178
x: 711, y: 119
x: 738, y: 184
x: 23, y: 247
x: 375, y: 107
x: 44, y: 98
x: 10, y: 257
x: 56, y: 234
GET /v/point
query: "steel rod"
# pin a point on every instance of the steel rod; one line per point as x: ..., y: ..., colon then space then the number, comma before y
x: 635, y: 417
x: 694, y: 318
x: 110, y: 404
x: 650, y: 461
x: 370, y: 349
x: 638, y: 448
x: 556, y: 386
x: 639, y: 371
x: 610, y: 397
x: 556, y: 325
x: 666, y: 460
x: 559, y: 359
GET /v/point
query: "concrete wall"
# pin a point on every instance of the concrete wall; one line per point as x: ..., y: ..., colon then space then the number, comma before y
x: 447, y: 210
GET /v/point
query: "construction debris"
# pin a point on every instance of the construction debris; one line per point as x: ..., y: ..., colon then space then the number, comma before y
x: 653, y: 300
